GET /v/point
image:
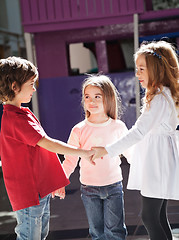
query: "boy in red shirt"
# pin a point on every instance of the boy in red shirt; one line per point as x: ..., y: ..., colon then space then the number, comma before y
x: 31, y: 168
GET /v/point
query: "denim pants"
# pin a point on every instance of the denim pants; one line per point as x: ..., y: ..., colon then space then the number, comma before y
x: 105, y: 211
x: 33, y: 222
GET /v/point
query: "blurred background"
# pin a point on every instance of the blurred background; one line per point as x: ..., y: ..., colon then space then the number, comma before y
x: 66, y: 39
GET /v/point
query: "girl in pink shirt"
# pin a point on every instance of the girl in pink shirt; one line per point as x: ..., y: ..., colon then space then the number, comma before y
x: 101, y: 183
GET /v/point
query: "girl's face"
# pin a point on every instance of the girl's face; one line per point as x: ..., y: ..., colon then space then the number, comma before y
x: 141, y: 71
x: 93, y: 100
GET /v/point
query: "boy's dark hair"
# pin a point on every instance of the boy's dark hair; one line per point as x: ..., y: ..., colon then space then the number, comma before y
x: 14, y: 69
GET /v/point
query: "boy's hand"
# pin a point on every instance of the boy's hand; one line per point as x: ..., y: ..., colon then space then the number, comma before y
x: 99, y: 152
x: 59, y: 193
x: 89, y: 156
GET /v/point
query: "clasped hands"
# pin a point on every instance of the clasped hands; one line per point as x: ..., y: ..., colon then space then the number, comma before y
x: 98, y: 152
x: 90, y: 155
x: 94, y: 153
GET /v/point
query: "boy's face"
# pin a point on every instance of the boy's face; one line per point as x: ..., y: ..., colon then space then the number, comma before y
x: 26, y: 92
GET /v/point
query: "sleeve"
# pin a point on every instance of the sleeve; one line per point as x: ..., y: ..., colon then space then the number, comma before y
x: 71, y: 162
x: 28, y: 130
x: 148, y: 120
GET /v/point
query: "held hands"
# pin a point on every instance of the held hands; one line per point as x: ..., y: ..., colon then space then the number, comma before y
x: 89, y: 156
x: 94, y: 153
x: 59, y: 193
x: 99, y: 153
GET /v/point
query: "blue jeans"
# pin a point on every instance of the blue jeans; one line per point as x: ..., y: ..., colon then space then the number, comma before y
x: 105, y: 211
x: 33, y: 222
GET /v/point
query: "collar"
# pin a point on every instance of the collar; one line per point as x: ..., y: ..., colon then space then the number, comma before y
x: 98, y: 124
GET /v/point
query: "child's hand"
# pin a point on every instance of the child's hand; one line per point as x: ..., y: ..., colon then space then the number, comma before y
x: 89, y: 156
x: 99, y: 152
x: 59, y: 193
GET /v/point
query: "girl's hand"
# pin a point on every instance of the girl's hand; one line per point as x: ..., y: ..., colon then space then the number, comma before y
x: 59, y: 193
x: 89, y: 156
x: 99, y: 152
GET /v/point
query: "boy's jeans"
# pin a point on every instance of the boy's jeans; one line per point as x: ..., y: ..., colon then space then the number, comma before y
x: 105, y: 211
x: 33, y: 222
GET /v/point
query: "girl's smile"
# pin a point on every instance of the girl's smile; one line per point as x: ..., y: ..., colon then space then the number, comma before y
x: 93, y: 100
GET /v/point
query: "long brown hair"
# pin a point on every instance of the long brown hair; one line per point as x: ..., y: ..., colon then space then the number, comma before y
x: 163, y: 69
x: 112, y: 100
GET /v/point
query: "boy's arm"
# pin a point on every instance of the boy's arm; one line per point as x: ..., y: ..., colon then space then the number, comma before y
x: 56, y: 146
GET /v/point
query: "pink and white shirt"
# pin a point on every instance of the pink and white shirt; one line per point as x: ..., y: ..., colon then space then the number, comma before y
x: 86, y: 135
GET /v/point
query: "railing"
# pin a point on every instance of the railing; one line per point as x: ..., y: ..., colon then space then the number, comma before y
x: 63, y: 11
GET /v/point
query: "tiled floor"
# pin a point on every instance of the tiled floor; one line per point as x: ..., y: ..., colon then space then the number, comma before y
x: 68, y: 219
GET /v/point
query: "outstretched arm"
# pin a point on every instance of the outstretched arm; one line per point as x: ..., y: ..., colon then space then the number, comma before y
x: 60, y: 147
x: 148, y: 120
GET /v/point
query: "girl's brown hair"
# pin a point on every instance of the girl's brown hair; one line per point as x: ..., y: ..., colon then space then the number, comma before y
x: 14, y: 69
x: 163, y: 69
x: 112, y: 100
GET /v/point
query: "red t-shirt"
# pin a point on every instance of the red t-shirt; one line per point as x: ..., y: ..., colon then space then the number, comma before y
x: 28, y: 170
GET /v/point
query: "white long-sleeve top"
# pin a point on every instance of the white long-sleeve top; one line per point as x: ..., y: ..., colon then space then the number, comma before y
x: 154, y: 168
x: 86, y: 135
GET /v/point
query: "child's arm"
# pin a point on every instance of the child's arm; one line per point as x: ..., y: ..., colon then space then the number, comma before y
x: 145, y: 123
x: 56, y: 146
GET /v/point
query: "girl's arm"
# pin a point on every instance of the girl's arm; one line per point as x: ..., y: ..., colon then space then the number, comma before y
x: 60, y: 147
x: 148, y: 120
x: 70, y: 162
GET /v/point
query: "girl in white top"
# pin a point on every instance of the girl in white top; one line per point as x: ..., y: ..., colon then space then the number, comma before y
x: 154, y: 166
x: 101, y: 184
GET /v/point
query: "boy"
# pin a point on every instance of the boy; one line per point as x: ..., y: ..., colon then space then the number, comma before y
x: 31, y: 168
